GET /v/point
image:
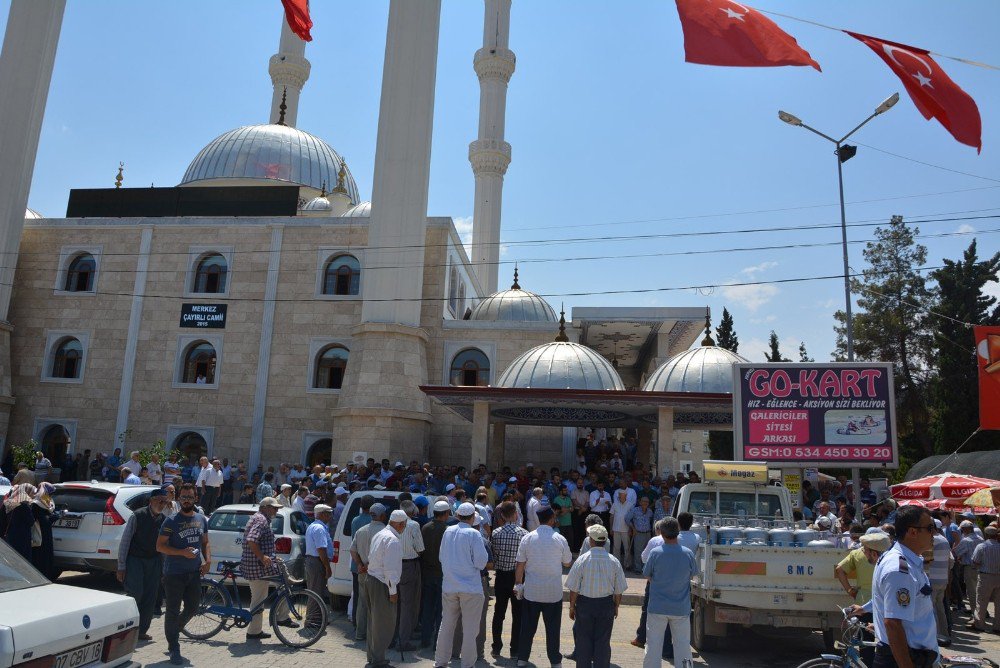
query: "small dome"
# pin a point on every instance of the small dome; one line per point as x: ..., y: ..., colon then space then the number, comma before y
x: 514, y: 305
x: 701, y: 369
x: 317, y: 206
x: 561, y: 365
x: 265, y: 154
x: 361, y: 210
x: 31, y: 214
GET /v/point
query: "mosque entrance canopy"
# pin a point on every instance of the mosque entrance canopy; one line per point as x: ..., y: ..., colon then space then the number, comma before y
x: 592, y: 408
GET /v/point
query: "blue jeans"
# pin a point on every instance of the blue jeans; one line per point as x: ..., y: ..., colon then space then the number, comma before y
x: 430, y: 609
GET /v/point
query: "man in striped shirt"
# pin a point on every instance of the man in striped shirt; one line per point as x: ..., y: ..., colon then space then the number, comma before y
x: 595, y: 582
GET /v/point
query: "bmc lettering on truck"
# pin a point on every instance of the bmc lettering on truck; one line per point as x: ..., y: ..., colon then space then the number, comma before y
x: 799, y: 569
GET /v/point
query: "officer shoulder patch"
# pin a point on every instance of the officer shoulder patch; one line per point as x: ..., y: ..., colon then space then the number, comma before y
x: 904, y: 566
x: 903, y: 596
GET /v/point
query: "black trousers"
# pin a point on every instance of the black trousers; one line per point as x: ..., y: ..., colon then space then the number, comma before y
x: 922, y: 658
x: 503, y: 590
x: 551, y: 614
x: 177, y: 589
x: 595, y: 618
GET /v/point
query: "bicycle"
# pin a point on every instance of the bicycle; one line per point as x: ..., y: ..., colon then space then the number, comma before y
x: 853, y: 642
x: 307, y: 611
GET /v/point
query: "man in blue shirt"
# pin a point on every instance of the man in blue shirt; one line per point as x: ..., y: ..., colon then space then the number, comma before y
x: 669, y: 571
x: 183, y: 541
x: 319, y: 549
x: 463, y: 555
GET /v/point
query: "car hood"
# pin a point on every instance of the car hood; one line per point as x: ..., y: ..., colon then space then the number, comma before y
x: 52, y: 617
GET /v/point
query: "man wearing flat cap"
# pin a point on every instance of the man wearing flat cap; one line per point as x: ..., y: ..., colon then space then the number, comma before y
x: 319, y: 549
x: 360, y: 551
x: 463, y: 556
x: 860, y: 565
x: 140, y: 566
x: 259, y: 562
x: 385, y: 568
x: 595, y: 582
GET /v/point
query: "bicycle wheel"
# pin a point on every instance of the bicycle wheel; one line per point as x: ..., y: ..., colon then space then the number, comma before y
x: 204, y: 624
x: 303, y: 609
x: 823, y: 663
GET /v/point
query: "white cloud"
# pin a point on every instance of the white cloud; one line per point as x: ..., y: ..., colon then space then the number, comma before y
x: 759, y: 268
x: 993, y: 288
x: 750, y: 297
x: 761, y: 321
x: 463, y: 225
x: 503, y: 249
x: 965, y: 228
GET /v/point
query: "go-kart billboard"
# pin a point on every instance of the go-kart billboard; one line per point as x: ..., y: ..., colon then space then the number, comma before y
x: 832, y: 414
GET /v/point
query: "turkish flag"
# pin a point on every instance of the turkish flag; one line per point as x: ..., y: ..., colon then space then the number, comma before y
x: 724, y: 32
x: 297, y: 15
x: 934, y: 94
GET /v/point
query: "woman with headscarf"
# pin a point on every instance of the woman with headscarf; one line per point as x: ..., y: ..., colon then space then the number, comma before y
x: 42, y: 507
x: 17, y: 518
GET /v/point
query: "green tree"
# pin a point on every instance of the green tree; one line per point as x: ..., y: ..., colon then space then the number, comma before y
x: 891, y: 326
x: 960, y: 300
x: 725, y: 335
x: 24, y: 454
x: 803, y: 355
x: 774, y: 355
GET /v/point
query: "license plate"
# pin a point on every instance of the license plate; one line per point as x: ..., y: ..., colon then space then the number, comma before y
x: 68, y: 523
x: 80, y: 656
x: 732, y: 615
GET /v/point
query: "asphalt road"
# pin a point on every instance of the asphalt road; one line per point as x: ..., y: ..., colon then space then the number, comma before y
x: 337, y: 647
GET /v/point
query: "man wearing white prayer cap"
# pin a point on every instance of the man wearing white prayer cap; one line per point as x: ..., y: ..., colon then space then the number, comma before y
x: 385, y: 568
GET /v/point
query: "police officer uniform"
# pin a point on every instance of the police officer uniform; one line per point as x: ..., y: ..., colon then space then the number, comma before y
x: 901, y: 590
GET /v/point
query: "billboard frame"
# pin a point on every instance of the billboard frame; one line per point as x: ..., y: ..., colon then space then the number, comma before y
x: 738, y: 410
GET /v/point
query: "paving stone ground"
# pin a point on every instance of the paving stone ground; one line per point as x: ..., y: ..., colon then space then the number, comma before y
x: 337, y: 647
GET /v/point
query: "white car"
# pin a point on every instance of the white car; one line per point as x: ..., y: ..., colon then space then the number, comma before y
x: 92, y: 517
x: 225, y: 535
x: 341, y: 582
x: 45, y: 624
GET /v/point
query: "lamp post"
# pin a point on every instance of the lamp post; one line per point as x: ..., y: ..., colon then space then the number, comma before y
x: 844, y: 152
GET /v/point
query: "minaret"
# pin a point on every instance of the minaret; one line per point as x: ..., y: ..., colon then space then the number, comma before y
x: 490, y: 154
x: 289, y: 70
x: 382, y: 397
x: 26, y: 62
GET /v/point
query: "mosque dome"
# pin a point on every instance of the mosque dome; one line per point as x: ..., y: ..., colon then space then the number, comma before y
x: 706, y: 368
x: 272, y: 154
x: 317, y: 206
x: 514, y: 305
x: 360, y: 210
x: 561, y: 365
x: 31, y: 214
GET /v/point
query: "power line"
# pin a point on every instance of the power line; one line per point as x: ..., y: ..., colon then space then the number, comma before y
x: 927, y: 164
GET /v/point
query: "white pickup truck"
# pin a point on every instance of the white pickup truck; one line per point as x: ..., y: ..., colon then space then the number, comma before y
x: 777, y: 586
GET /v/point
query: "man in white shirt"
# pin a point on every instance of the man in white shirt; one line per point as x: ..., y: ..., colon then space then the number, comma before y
x: 600, y: 503
x: 532, y: 507
x: 541, y: 556
x: 210, y: 484
x: 154, y: 471
x: 621, y: 545
x: 463, y: 556
x: 385, y: 568
x: 133, y: 463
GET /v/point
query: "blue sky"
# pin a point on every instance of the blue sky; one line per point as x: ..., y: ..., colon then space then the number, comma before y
x: 613, y: 134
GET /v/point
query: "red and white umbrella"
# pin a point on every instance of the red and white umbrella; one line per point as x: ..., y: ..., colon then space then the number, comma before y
x: 941, y: 486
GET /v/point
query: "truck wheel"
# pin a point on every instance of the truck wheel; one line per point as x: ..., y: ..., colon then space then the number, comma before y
x: 829, y: 638
x: 699, y: 634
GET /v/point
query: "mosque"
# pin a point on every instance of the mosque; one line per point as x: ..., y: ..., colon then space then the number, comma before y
x: 261, y: 310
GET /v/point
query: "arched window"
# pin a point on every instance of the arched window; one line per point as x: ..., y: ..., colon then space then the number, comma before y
x: 67, y: 358
x: 192, y: 445
x: 199, y: 364
x: 80, y: 274
x: 331, y: 364
x: 55, y: 443
x: 210, y: 274
x: 320, y: 452
x: 470, y: 367
x: 453, y: 291
x: 342, y: 276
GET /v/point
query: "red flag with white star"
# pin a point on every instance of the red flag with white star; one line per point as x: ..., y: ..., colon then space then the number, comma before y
x: 933, y: 93
x: 297, y: 15
x: 724, y: 32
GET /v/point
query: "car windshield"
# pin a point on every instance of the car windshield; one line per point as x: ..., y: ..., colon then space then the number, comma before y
x: 236, y: 520
x: 391, y: 503
x: 15, y: 572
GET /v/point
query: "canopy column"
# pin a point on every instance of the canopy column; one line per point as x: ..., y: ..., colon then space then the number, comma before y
x: 497, y: 448
x: 664, y: 439
x: 480, y: 432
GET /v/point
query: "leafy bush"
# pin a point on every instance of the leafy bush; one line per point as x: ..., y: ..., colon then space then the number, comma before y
x: 25, y: 454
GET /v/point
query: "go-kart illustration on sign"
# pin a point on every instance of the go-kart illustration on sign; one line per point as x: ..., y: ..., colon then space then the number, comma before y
x: 793, y: 414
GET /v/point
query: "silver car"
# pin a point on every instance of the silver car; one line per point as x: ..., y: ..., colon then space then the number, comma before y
x: 225, y: 535
x: 90, y: 522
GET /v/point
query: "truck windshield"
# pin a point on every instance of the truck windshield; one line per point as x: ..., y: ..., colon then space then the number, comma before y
x: 702, y: 503
x: 738, y: 504
x: 768, y: 505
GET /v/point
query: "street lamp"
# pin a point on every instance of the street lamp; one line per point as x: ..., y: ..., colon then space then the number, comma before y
x: 844, y: 152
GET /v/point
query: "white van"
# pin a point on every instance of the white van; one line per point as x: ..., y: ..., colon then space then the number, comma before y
x: 341, y: 583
